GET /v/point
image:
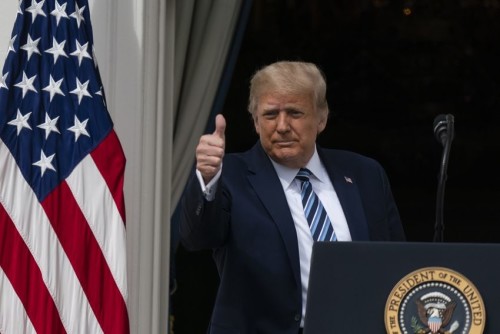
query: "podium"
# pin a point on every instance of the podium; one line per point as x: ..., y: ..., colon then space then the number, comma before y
x: 403, y: 287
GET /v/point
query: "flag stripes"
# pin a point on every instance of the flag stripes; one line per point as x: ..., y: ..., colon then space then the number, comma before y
x: 104, y: 286
x: 11, y: 308
x: 96, y: 202
x: 86, y: 254
x: 31, y: 293
x: 34, y: 227
x: 111, y: 165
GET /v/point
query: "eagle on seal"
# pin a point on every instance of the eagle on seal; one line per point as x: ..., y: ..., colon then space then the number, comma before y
x: 435, y: 318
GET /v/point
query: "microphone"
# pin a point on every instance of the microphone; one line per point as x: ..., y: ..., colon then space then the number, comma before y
x: 444, y: 128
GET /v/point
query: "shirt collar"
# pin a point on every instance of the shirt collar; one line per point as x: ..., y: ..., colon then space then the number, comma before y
x: 287, y: 175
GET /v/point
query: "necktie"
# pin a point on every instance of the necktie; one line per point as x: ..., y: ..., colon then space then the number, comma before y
x: 319, y: 223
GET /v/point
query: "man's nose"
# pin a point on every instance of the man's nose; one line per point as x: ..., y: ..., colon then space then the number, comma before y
x: 283, y: 124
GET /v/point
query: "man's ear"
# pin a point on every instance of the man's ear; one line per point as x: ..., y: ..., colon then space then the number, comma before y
x: 256, y: 124
x: 322, y: 123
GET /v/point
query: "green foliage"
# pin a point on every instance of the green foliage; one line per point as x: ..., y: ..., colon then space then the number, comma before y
x: 415, y: 325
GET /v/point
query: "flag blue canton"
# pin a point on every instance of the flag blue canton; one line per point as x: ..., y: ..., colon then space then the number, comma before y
x: 52, y: 105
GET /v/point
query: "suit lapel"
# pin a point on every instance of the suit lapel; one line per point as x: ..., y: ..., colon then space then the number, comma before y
x: 348, y: 193
x: 265, y: 181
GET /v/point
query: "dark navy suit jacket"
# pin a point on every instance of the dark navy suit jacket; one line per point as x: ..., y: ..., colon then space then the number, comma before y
x: 250, y: 228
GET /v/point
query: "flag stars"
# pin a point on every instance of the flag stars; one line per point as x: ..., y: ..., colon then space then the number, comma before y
x: 21, y: 121
x: 3, y: 84
x: 78, y: 15
x: 81, y: 90
x: 57, y: 49
x: 45, y: 163
x: 100, y: 93
x: 19, y: 10
x: 94, y: 56
x: 49, y: 126
x: 31, y: 46
x: 79, y: 128
x: 54, y: 88
x: 11, y: 44
x: 81, y: 52
x: 26, y: 84
x: 59, y: 12
x: 36, y: 9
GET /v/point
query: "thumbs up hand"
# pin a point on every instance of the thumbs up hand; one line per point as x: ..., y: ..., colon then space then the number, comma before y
x: 210, y: 150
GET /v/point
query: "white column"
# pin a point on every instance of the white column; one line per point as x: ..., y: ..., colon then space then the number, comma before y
x: 130, y: 42
x: 8, y: 10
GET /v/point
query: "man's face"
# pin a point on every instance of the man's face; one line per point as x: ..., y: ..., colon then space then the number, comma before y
x: 288, y: 125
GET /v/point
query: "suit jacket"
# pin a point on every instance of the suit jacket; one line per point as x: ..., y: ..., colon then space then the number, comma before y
x: 250, y: 228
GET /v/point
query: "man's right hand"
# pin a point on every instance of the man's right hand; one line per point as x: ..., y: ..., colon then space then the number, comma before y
x: 210, y: 150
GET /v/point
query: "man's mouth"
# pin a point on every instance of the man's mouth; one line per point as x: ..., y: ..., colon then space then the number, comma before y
x: 284, y: 143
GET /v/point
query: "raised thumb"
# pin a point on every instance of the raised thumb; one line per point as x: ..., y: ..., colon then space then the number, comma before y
x: 220, y: 126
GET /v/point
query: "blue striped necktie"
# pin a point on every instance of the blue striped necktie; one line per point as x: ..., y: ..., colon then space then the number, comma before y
x: 319, y: 223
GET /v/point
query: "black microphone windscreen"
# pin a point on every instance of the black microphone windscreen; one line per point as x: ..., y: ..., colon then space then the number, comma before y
x: 440, y: 128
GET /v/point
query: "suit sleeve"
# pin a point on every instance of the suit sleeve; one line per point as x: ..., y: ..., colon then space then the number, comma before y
x: 204, y: 224
x: 396, y: 232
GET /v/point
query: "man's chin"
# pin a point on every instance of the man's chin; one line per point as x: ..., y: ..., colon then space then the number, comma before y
x: 288, y: 159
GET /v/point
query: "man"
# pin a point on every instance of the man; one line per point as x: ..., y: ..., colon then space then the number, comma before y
x: 248, y: 207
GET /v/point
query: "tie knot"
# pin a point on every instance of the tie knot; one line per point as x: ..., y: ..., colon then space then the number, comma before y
x: 303, y: 175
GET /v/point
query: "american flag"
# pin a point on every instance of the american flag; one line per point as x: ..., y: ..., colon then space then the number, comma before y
x: 62, y: 215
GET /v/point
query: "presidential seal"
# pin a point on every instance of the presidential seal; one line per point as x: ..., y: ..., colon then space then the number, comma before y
x: 435, y: 300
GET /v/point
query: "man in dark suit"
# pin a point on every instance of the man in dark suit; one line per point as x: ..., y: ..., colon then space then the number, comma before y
x: 250, y: 207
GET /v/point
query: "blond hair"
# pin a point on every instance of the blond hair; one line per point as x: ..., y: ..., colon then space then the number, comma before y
x: 289, y: 77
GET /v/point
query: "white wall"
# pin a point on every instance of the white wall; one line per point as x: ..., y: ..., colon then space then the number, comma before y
x: 8, y: 11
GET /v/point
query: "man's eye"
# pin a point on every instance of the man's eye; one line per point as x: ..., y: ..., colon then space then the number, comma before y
x: 270, y: 114
x: 295, y: 113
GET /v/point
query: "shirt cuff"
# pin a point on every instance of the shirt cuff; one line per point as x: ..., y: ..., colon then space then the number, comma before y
x: 210, y: 188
